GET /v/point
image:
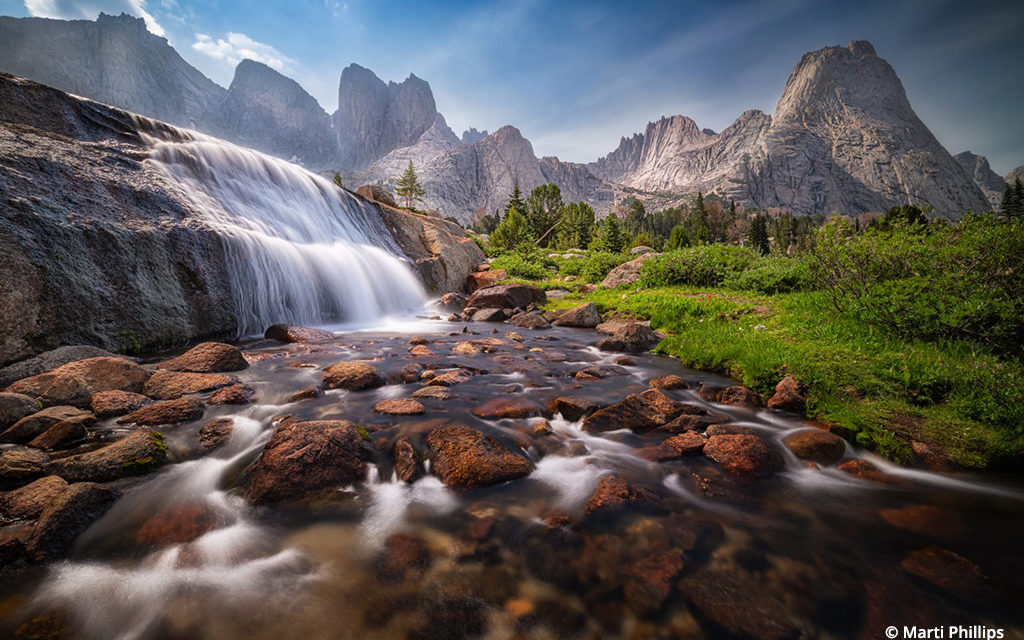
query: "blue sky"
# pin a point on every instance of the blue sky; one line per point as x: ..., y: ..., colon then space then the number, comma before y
x: 576, y: 76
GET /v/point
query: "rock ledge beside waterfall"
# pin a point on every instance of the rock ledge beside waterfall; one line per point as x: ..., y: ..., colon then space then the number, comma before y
x: 102, y: 248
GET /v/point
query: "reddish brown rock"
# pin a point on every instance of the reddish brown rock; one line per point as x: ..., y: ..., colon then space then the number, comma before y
x: 435, y: 392
x: 613, y: 493
x: 61, y: 435
x: 303, y: 457
x: 29, y: 502
x: 207, y: 357
x: 506, y: 296
x: 788, y: 397
x: 403, y: 553
x: 237, y: 393
x: 950, y: 571
x: 729, y: 430
x: 639, y: 412
x: 178, y: 524
x: 167, y: 412
x: 309, y: 393
x: 689, y: 443
x: 75, y: 383
x: 410, y: 372
x: 584, y: 315
x: 450, y: 378
x: 650, y: 580
x: 21, y: 464
x: 420, y: 351
x: 137, y: 453
x: 922, y: 519
x: 353, y: 376
x: 400, y: 407
x: 417, y: 340
x: 533, y: 320
x: 573, y: 408
x: 599, y: 372
x: 816, y: 445
x: 625, y: 361
x: 669, y: 382
x: 14, y: 407
x: 465, y: 349
x: 215, y: 433
x: 634, y: 337
x: 740, y: 396
x: 746, y: 456
x: 453, y: 302
x: 408, y: 467
x: 68, y: 515
x: 692, y: 419
x: 465, y: 458
x: 864, y: 470
x: 170, y: 385
x: 33, y: 426
x: 110, y: 404
x: 508, y: 406
x: 481, y: 279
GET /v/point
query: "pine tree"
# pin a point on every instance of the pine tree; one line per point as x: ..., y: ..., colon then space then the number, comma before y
x: 758, y: 236
x: 609, y: 237
x: 699, y: 231
x: 1018, y: 198
x: 512, y: 232
x: 515, y: 199
x: 409, y: 187
x: 544, y: 210
x: 577, y: 226
x: 1007, y: 206
x: 677, y: 239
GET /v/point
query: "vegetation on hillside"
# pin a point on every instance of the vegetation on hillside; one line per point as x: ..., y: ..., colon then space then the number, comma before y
x: 902, y: 329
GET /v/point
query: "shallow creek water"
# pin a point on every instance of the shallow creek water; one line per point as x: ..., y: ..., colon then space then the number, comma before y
x: 810, y: 552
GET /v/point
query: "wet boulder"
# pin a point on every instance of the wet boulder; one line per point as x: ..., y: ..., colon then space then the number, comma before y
x: 613, y: 493
x: 75, y: 383
x: 295, y: 334
x: 400, y: 407
x: 306, y: 457
x: 632, y: 337
x: 178, y: 524
x: 353, y: 376
x: 573, y: 407
x: 743, y: 455
x: 864, y: 470
x: 506, y: 296
x: 20, y: 465
x: 35, y: 425
x: 450, y: 378
x: 61, y: 435
x: 169, y: 385
x: 740, y: 396
x: 238, y: 393
x: 639, y: 412
x: 215, y: 433
x: 650, y: 580
x: 532, y: 320
x: 507, y: 406
x: 481, y: 279
x: 669, y: 382
x: 453, y: 302
x: 29, y: 502
x: 949, y: 571
x: 48, y: 361
x: 408, y: 467
x: 464, y: 458
x: 110, y: 404
x: 788, y: 396
x: 167, y: 412
x: 688, y: 443
x: 14, y: 407
x: 137, y: 453
x: 816, y: 445
x: 207, y: 357
x: 584, y: 315
x: 403, y: 553
x: 67, y: 516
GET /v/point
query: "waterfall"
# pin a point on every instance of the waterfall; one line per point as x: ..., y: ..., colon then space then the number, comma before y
x: 299, y: 250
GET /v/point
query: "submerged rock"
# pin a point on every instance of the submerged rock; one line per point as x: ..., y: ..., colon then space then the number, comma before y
x: 207, y: 357
x: 303, y: 457
x: 614, y: 492
x: 76, y: 382
x: 400, y: 407
x: 137, y: 453
x: 215, y: 433
x: 507, y: 406
x: 465, y: 458
x: 353, y: 376
x: 816, y: 445
x: 739, y: 605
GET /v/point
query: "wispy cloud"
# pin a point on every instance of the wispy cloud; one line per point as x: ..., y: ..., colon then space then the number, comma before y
x: 89, y: 9
x: 235, y: 47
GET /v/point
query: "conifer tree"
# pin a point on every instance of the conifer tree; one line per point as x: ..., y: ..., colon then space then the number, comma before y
x: 409, y: 187
x: 758, y: 236
x: 609, y: 237
x: 512, y: 232
x: 1018, y: 198
x: 515, y: 199
x: 699, y: 231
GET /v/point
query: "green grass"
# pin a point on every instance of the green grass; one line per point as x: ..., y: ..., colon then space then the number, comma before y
x: 953, y: 396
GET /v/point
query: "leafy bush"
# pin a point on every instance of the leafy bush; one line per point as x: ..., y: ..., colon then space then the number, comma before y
x: 703, y: 266
x: 773, y: 275
x: 570, y: 266
x: 936, y: 281
x: 520, y: 266
x: 597, y: 264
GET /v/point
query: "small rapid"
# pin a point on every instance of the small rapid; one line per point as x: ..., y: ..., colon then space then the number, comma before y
x: 299, y: 250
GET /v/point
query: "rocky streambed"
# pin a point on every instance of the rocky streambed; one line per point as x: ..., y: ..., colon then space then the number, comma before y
x: 458, y: 479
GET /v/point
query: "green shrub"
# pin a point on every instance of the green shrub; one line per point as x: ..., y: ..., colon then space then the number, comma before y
x: 519, y: 266
x: 703, y: 266
x: 570, y: 266
x: 773, y: 275
x: 932, y: 282
x: 597, y: 264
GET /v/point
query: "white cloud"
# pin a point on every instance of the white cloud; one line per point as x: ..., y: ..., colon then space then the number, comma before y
x: 89, y: 9
x: 238, y: 46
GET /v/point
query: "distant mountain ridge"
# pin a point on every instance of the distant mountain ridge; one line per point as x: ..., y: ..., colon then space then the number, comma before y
x: 843, y: 137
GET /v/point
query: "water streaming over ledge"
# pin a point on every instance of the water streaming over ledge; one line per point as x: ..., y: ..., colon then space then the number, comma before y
x: 299, y: 250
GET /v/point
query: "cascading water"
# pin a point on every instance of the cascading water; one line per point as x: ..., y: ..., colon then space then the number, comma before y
x: 299, y: 250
